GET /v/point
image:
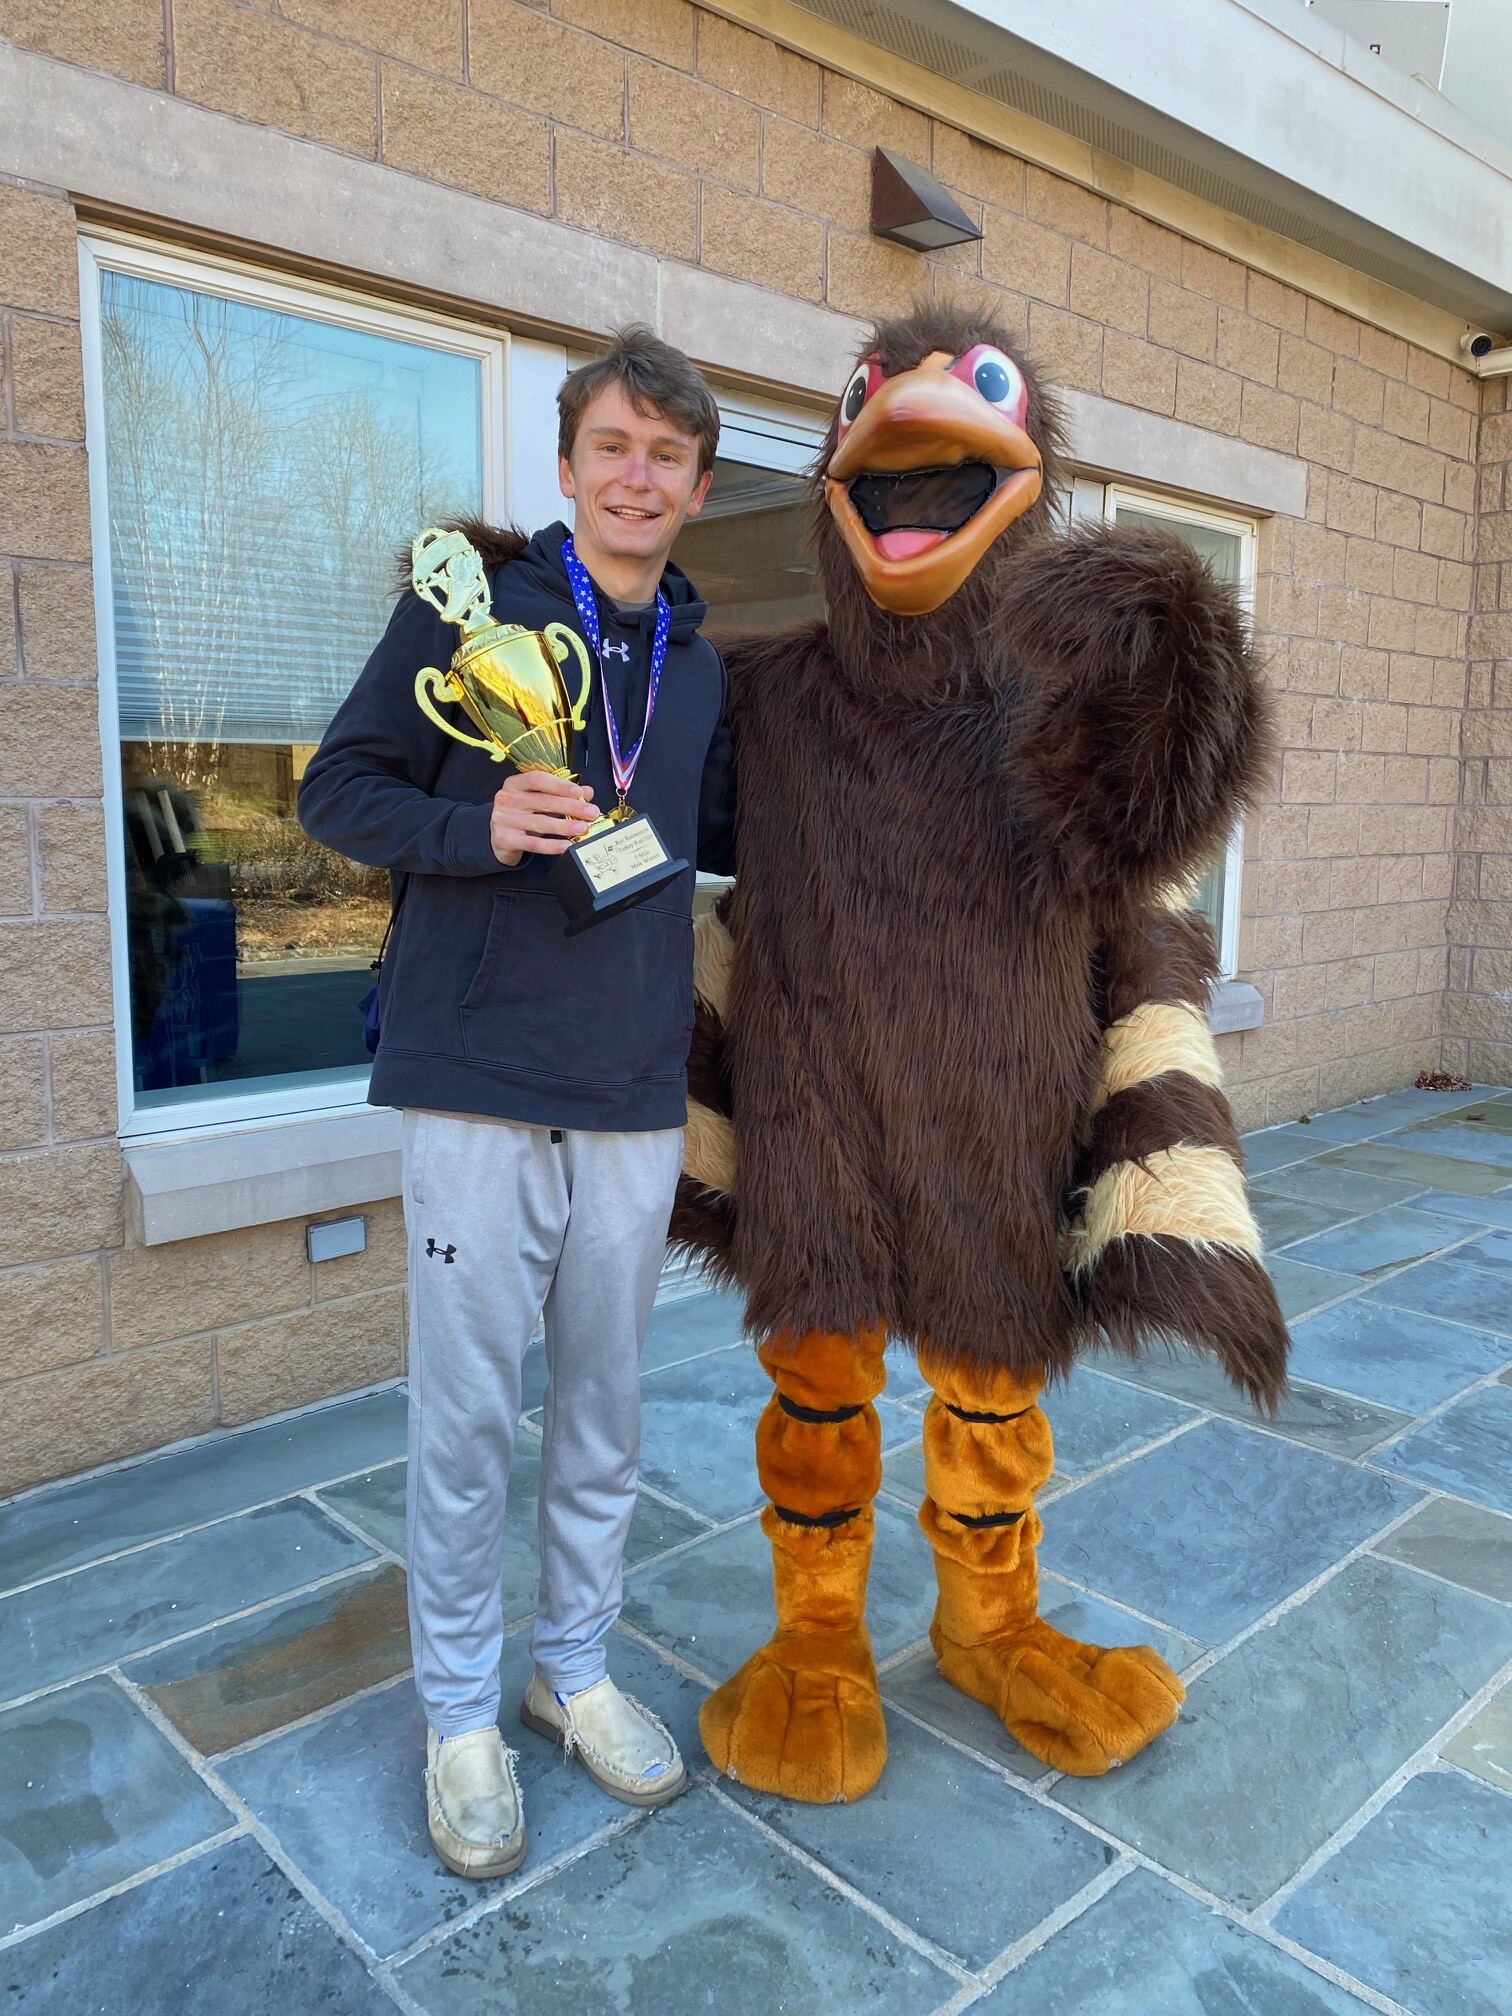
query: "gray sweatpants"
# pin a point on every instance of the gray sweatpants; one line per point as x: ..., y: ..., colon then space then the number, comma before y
x: 503, y: 1221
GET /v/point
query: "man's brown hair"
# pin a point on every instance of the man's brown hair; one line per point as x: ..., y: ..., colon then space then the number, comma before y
x: 656, y: 378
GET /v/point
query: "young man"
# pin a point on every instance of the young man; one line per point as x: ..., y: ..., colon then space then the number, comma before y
x: 542, y: 1080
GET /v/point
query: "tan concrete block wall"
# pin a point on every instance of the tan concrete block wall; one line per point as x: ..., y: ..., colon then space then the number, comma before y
x: 656, y: 123
x: 1478, y: 1002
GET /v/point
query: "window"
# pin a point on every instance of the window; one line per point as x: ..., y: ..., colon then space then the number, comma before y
x: 259, y: 454
x: 747, y: 551
x: 1228, y: 545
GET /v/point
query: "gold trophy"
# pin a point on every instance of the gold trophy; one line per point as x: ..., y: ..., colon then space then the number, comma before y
x: 512, y: 685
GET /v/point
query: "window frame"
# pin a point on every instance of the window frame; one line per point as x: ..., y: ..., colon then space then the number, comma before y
x: 1092, y: 497
x: 265, y: 1100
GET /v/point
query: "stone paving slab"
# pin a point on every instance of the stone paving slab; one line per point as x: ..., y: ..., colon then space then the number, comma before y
x: 345, y: 1795
x: 1484, y: 1745
x: 1457, y: 1542
x: 1285, y: 1220
x: 1175, y: 1503
x: 1383, y: 1239
x: 1398, y: 1357
x: 1279, y: 1148
x: 100, y: 1614
x: 1300, y: 1287
x: 1415, y: 1906
x: 1145, y: 1949
x: 1495, y: 1210
x: 1210, y: 1531
x: 1494, y: 1251
x: 694, y: 1911
x: 57, y: 1528
x: 242, y: 1679
x: 225, y: 1935
x: 1096, y: 1420
x: 1463, y: 1450
x: 1335, y: 1182
x: 90, y: 1794
x: 1460, y: 1143
x: 1283, y: 1740
x: 1451, y: 1289
x: 934, y: 1816
x: 1404, y: 1159
x: 1337, y: 1423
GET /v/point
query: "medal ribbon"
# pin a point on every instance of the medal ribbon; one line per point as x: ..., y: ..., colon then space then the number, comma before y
x: 623, y: 765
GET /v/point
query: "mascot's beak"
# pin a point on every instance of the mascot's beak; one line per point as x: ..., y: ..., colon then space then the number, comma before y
x: 924, y: 481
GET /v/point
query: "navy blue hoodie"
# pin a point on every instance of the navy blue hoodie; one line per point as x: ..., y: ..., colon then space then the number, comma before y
x: 486, y: 1006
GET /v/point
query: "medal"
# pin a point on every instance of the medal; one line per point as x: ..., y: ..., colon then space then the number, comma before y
x: 622, y: 764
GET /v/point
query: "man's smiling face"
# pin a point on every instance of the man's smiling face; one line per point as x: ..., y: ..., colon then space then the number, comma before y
x: 634, y: 478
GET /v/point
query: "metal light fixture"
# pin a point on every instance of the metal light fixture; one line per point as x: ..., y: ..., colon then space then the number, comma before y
x: 912, y: 208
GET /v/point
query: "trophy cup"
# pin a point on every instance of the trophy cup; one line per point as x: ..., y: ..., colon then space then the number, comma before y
x: 511, y: 684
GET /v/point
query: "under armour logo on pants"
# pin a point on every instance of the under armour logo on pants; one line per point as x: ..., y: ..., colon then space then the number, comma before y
x: 435, y: 1252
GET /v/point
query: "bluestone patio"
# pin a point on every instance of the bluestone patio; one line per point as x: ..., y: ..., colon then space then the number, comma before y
x: 211, y: 1760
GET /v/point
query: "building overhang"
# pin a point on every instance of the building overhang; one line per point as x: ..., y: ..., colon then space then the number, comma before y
x: 1257, y: 108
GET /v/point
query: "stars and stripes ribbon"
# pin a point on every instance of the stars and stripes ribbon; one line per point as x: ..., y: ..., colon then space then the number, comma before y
x: 622, y: 763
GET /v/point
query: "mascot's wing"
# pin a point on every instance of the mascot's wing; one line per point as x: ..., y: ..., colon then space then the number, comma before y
x: 703, y: 1217
x: 1143, y: 728
x: 1161, y: 1242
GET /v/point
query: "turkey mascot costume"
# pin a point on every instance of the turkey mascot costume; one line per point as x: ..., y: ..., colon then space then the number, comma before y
x: 951, y: 1078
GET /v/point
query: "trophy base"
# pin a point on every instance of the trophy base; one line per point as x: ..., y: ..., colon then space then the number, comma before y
x: 612, y: 870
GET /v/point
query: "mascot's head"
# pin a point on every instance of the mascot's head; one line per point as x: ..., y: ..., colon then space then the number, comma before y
x: 942, y: 441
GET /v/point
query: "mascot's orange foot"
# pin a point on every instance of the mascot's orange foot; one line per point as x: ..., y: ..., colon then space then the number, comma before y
x: 1077, y: 1707
x: 802, y: 1718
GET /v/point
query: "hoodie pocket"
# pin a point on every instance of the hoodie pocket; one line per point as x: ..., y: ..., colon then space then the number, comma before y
x: 613, y: 1004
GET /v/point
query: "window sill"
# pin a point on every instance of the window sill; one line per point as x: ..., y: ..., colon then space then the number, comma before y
x: 296, y: 1168
x: 260, y: 1174
x: 1233, y: 1005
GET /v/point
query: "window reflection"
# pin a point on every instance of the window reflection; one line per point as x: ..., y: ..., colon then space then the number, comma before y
x: 263, y: 468
x: 747, y: 551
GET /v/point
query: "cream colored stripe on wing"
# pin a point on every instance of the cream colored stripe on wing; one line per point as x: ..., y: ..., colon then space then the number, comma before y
x: 1155, y: 1037
x: 1195, y: 1194
x: 709, y: 1149
x: 713, y: 958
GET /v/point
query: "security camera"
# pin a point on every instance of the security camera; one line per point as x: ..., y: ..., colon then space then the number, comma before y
x: 1476, y: 343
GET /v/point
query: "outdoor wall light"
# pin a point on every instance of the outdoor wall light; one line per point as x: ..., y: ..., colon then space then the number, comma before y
x: 912, y: 209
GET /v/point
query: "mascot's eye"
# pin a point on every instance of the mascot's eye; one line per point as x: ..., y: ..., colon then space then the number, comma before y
x: 854, y: 396
x: 996, y: 377
x: 992, y: 381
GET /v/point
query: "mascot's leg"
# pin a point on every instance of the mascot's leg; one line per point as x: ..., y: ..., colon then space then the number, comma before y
x: 802, y: 1716
x: 987, y: 1451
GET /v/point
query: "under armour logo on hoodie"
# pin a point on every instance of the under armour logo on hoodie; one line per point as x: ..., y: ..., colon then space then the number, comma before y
x: 435, y: 1252
x: 608, y: 651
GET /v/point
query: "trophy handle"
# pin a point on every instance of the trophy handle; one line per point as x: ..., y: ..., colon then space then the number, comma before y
x: 562, y: 640
x: 427, y: 680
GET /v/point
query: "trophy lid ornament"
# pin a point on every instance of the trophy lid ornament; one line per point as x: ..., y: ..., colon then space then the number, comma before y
x: 508, y: 680
x: 447, y: 571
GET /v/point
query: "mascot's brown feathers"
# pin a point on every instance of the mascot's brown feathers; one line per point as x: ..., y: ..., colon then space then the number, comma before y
x: 951, y: 926
x: 951, y: 1078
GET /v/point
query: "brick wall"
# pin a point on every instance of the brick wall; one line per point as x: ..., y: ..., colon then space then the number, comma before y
x: 653, y: 122
x: 1478, y: 1004
x: 107, y: 1347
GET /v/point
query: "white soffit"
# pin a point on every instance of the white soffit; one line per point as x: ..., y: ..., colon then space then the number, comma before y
x: 1288, y: 124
